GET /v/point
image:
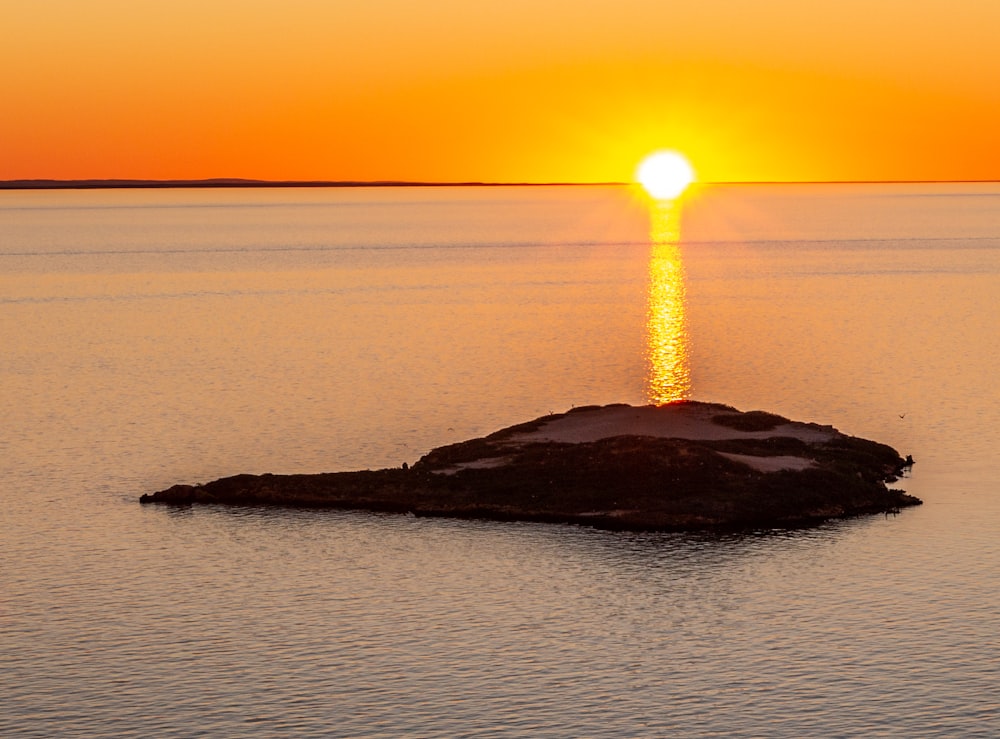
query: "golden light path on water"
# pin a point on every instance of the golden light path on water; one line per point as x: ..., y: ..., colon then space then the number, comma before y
x: 667, y: 340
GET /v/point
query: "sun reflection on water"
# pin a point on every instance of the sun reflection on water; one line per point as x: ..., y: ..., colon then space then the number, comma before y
x: 667, y: 342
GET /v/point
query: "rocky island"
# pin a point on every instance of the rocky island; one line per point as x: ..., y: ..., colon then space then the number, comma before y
x: 684, y: 465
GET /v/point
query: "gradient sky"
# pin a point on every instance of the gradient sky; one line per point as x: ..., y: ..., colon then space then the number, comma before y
x: 510, y: 90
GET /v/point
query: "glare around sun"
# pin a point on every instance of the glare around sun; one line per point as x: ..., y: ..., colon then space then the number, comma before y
x: 665, y: 174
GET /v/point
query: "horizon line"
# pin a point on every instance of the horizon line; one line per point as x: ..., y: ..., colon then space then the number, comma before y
x: 240, y: 182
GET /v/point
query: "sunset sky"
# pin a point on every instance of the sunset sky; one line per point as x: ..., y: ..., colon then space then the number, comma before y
x: 518, y: 90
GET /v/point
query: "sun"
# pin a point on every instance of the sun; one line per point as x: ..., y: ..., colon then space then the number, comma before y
x: 665, y: 174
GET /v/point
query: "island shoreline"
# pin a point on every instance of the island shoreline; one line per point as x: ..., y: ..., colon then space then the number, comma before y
x: 677, y: 467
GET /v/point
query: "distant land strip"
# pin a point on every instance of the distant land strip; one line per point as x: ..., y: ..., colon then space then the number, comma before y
x: 108, y: 184
x: 220, y: 182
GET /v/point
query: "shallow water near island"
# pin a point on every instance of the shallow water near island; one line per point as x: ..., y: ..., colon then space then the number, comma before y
x: 156, y: 337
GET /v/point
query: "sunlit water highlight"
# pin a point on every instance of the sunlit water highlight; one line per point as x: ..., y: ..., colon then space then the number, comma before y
x: 667, y: 340
x: 176, y: 336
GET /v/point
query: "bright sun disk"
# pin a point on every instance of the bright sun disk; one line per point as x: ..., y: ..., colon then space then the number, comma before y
x: 665, y: 174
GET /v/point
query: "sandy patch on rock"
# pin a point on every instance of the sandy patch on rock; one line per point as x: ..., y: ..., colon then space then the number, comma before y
x: 771, y: 464
x: 486, y: 463
x: 691, y: 421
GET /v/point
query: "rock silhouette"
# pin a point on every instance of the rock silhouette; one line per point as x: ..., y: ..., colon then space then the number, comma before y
x: 684, y: 465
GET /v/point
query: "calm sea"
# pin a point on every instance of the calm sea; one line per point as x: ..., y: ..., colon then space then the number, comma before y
x: 156, y: 337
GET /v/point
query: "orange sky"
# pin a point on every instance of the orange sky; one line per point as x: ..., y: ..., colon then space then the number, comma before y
x: 511, y: 90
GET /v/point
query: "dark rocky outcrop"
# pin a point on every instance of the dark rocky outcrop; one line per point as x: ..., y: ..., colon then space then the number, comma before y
x: 723, y: 468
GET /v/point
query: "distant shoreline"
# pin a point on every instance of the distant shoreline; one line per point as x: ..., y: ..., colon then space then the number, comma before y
x: 116, y: 184
x: 225, y: 182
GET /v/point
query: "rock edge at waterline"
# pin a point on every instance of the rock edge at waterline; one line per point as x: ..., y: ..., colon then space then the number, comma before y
x: 683, y: 465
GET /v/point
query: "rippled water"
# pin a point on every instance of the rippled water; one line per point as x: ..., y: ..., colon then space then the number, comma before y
x: 176, y: 336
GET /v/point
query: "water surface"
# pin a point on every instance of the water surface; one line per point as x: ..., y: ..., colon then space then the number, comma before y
x: 154, y: 337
